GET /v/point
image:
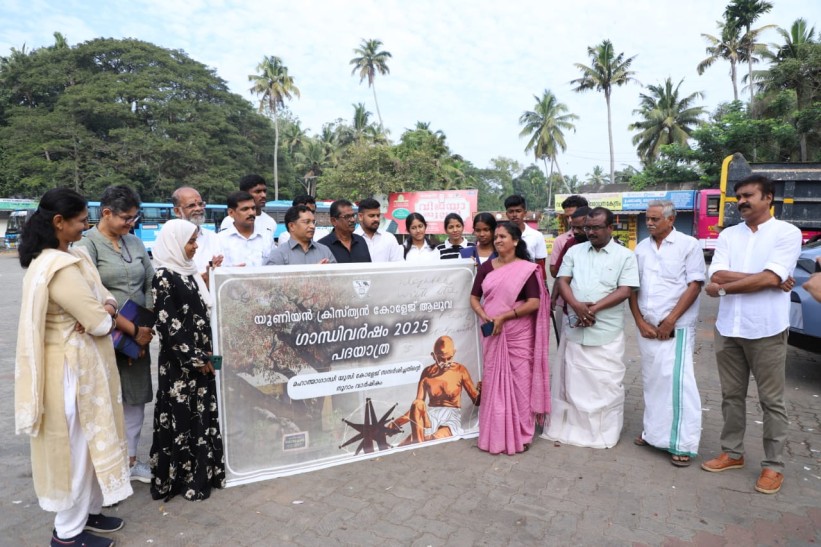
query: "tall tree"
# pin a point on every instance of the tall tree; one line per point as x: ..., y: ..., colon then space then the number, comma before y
x: 726, y: 46
x: 607, y: 69
x: 274, y: 85
x: 545, y: 126
x: 743, y: 13
x: 667, y: 118
x: 368, y: 62
x: 596, y: 177
x: 795, y: 66
x: 89, y: 116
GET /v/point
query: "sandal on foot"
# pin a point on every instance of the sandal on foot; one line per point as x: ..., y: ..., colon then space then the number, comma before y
x: 638, y: 441
x: 680, y: 461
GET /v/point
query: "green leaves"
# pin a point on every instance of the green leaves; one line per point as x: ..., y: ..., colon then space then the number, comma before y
x: 122, y: 112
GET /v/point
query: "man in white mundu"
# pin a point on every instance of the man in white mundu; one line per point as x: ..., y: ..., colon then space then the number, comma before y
x: 587, y: 393
x: 665, y: 308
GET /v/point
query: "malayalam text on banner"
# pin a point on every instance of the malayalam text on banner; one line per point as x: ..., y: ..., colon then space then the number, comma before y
x: 334, y: 363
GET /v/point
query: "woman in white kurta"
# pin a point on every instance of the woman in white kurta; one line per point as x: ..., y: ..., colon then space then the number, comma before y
x: 67, y: 391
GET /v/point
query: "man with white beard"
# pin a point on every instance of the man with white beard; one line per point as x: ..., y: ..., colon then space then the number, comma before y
x: 188, y: 205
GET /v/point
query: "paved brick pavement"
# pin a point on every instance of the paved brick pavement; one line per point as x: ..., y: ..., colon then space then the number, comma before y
x: 453, y: 494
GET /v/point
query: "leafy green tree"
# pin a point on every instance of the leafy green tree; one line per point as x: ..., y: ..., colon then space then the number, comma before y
x: 742, y: 14
x: 365, y: 170
x: 368, y: 62
x: 122, y: 111
x: 796, y: 67
x: 274, y: 85
x: 596, y: 177
x: 667, y: 118
x: 545, y: 126
x: 531, y: 184
x: 607, y: 69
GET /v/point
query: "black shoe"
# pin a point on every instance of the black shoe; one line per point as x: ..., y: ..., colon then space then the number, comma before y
x: 103, y: 524
x: 83, y: 539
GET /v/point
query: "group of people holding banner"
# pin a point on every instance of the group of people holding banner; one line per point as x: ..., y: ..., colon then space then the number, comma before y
x: 71, y: 391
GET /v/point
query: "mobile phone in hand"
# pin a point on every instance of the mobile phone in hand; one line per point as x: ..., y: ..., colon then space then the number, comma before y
x: 487, y: 328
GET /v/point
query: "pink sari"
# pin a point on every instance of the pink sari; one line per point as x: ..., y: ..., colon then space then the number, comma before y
x: 515, y: 376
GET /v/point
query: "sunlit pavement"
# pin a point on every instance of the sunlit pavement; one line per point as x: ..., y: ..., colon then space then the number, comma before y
x: 453, y: 494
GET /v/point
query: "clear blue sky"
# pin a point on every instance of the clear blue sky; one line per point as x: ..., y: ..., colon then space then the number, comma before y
x: 470, y: 68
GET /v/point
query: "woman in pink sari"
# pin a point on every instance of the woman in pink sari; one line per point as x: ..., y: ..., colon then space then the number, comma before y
x: 515, y: 379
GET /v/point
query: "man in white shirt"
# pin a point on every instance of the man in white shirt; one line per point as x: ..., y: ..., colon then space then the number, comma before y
x: 255, y: 185
x: 188, y: 205
x: 243, y: 242
x: 751, y: 274
x: 516, y: 210
x: 665, y: 308
x: 382, y: 246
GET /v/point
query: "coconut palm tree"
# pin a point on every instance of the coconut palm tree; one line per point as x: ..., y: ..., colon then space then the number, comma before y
x: 607, y: 69
x: 726, y: 47
x: 667, y: 118
x: 743, y: 13
x: 368, y: 62
x: 596, y: 177
x: 545, y: 126
x: 792, y: 68
x: 274, y: 85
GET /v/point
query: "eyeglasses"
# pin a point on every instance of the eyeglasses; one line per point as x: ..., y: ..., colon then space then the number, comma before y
x: 129, y: 220
x: 347, y: 217
x: 195, y: 205
x: 594, y: 228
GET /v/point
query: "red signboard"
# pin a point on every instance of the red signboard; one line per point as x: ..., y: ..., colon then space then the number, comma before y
x: 434, y: 206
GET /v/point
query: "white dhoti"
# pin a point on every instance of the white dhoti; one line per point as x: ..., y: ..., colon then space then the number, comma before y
x: 444, y: 416
x: 672, y: 405
x: 587, y: 394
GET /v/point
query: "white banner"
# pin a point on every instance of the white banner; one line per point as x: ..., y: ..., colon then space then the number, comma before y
x: 328, y: 364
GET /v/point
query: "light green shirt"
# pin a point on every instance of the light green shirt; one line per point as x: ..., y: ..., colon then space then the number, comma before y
x: 595, y: 274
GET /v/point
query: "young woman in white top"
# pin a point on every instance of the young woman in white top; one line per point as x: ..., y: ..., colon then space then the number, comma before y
x: 454, y: 226
x: 419, y: 247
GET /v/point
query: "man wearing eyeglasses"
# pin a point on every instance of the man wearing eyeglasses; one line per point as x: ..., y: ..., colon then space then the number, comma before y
x: 587, y: 394
x: 343, y: 242
x: 188, y: 205
x: 300, y: 248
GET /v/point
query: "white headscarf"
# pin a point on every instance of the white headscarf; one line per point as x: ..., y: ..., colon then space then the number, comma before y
x: 169, y: 252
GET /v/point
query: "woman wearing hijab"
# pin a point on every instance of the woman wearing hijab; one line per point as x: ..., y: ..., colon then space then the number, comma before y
x: 66, y: 386
x: 187, y: 453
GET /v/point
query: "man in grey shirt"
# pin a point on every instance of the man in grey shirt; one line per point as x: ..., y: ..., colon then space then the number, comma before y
x: 300, y: 248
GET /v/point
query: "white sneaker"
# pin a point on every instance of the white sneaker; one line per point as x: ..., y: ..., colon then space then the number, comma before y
x: 141, y: 472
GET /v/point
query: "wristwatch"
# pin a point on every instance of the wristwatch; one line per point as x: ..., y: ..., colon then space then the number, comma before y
x: 722, y: 292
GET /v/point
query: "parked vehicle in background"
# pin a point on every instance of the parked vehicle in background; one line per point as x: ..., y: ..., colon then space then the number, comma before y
x: 278, y: 208
x: 797, y: 197
x: 705, y: 218
x: 805, y: 311
x: 15, y: 224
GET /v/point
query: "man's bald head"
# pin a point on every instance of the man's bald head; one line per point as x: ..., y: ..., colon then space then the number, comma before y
x: 188, y: 205
x: 443, y: 351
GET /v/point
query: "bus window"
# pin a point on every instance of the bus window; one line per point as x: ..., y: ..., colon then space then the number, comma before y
x: 712, y: 205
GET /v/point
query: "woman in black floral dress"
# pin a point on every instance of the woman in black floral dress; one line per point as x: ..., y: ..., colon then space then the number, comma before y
x: 187, y: 454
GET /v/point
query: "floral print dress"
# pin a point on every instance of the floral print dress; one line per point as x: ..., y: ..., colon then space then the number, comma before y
x: 186, y: 453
